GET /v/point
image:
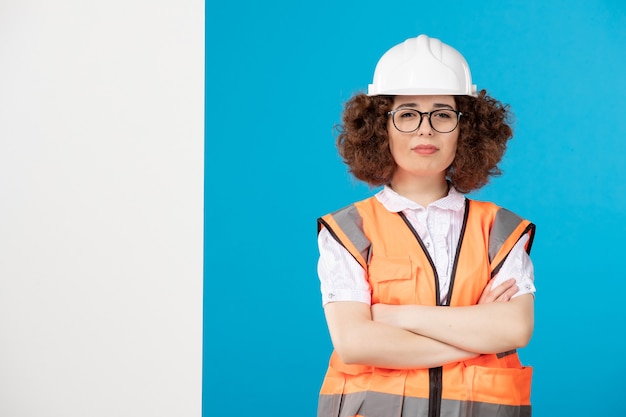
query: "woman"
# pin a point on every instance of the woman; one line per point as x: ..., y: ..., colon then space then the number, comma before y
x: 427, y: 294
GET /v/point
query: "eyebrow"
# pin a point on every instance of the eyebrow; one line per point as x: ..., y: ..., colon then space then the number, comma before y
x: 436, y: 106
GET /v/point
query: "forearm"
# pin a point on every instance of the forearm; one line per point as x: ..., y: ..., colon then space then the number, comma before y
x: 384, y: 346
x: 358, y: 339
x: 484, y: 328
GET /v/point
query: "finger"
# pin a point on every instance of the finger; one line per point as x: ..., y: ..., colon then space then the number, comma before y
x: 502, y: 288
x: 509, y: 293
x: 493, y: 293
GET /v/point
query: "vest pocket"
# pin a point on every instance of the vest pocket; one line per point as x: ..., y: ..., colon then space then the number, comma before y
x: 392, y: 280
x: 508, y: 386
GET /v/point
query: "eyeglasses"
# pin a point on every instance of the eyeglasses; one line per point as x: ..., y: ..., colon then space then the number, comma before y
x: 441, y: 120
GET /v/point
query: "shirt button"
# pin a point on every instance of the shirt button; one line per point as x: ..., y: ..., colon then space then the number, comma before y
x: 428, y: 244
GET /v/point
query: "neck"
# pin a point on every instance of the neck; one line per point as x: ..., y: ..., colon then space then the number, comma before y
x: 423, y: 192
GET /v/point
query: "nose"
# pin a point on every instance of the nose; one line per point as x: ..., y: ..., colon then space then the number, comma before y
x: 425, y: 128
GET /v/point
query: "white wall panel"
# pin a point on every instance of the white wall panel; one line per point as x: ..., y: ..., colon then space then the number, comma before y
x: 101, y: 205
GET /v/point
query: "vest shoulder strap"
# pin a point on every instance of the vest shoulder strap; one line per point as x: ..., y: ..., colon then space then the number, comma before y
x: 503, y: 226
x: 346, y: 226
x: 507, y: 229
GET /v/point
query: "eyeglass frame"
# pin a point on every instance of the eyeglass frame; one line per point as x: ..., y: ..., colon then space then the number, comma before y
x: 428, y: 113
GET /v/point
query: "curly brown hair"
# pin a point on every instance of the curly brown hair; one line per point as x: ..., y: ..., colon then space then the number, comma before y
x: 484, y: 130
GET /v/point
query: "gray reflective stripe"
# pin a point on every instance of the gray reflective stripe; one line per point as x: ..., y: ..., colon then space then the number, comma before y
x: 506, y: 221
x: 371, y: 404
x: 351, y: 223
x: 329, y: 405
x: 476, y: 409
x: 376, y: 404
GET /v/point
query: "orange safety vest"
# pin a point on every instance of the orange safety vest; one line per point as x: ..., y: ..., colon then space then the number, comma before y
x: 400, y: 271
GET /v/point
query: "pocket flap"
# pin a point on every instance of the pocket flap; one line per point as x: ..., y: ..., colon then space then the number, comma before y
x: 387, y: 269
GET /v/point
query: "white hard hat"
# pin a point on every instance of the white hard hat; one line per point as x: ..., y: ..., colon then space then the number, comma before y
x: 422, y: 66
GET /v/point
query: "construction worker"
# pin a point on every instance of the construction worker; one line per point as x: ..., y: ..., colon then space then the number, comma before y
x: 427, y: 294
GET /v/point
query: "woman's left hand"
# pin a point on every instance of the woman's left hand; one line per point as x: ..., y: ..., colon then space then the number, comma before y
x: 502, y: 292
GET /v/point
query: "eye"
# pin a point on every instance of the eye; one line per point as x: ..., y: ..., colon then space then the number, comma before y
x: 406, y: 114
x: 444, y: 114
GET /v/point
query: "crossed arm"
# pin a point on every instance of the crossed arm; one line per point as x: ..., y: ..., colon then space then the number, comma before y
x: 415, y: 336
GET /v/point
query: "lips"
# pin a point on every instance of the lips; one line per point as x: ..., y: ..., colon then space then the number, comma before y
x: 425, y: 149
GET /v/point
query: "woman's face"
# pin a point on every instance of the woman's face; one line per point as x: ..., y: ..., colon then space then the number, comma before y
x: 423, y: 152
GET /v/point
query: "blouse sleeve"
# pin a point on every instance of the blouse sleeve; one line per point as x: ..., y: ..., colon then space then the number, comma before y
x: 519, y: 266
x: 342, y: 278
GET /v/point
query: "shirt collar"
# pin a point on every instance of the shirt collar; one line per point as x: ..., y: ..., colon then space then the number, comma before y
x: 394, y: 202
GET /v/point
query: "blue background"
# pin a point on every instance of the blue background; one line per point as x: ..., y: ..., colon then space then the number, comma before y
x: 277, y: 75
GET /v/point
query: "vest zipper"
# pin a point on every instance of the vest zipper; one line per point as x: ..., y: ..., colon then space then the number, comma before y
x: 434, y: 398
x: 435, y: 374
x: 457, y: 254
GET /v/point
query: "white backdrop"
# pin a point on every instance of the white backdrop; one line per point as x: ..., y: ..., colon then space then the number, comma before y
x: 101, y: 206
